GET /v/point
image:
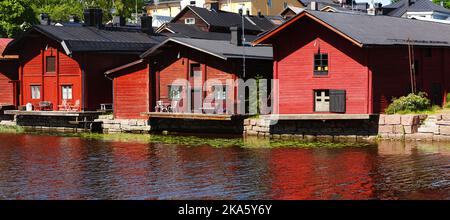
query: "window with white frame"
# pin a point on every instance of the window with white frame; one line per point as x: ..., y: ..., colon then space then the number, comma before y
x: 175, y: 92
x: 35, y: 92
x: 322, y: 100
x: 220, y: 92
x: 189, y: 20
x: 67, y: 92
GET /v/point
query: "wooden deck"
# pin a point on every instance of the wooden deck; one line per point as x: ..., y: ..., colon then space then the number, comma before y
x: 318, y: 117
x: 52, y: 113
x: 193, y: 116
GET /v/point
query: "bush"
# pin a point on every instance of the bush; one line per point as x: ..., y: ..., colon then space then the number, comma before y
x: 409, y: 104
x: 447, y: 101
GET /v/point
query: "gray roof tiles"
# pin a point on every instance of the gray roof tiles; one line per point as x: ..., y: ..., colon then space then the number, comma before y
x: 399, y: 8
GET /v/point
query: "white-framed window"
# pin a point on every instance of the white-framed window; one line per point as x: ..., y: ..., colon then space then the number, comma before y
x: 189, y: 20
x: 322, y: 100
x: 35, y: 92
x: 67, y: 92
x: 220, y: 92
x: 175, y: 92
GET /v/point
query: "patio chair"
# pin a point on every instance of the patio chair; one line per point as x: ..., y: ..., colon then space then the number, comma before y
x: 75, y: 107
x: 64, y: 105
x: 45, y: 106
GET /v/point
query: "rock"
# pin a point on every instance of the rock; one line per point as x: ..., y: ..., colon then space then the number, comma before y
x: 444, y: 130
x: 410, y: 129
x: 386, y: 129
x: 381, y: 119
x: 398, y: 129
x: 409, y: 119
x: 392, y: 119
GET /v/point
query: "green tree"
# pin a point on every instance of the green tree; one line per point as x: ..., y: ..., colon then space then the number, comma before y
x: 446, y: 3
x: 15, y: 17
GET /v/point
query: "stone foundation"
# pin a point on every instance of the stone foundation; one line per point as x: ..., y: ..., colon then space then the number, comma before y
x: 234, y: 126
x: 341, y: 130
x: 110, y: 125
x: 415, y: 127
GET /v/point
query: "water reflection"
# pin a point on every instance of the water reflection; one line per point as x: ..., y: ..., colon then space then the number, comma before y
x: 47, y: 167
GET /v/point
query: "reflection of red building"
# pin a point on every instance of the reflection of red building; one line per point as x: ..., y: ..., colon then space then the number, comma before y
x: 310, y: 174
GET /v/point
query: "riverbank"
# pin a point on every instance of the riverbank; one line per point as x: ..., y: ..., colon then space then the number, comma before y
x: 194, y: 139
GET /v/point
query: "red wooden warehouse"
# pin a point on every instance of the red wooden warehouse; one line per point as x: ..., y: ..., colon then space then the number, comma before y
x: 63, y: 66
x: 8, y: 76
x: 159, y: 77
x: 355, y: 64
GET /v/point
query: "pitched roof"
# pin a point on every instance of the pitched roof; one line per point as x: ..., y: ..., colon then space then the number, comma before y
x: 3, y: 43
x: 399, y: 8
x: 366, y: 30
x: 229, y: 19
x: 218, y: 48
x: 91, y: 39
x: 193, y: 31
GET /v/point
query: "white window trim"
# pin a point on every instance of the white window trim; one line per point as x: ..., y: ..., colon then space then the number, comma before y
x: 35, y: 94
x: 67, y: 92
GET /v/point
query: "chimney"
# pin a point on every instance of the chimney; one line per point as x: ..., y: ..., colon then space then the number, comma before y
x: 146, y: 24
x: 410, y: 2
x: 44, y: 19
x: 260, y: 14
x: 118, y: 21
x: 74, y: 19
x: 313, y: 6
x: 248, y: 12
x: 236, y: 36
x: 93, y: 17
x: 214, y: 6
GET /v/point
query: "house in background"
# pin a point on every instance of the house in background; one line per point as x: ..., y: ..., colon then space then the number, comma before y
x: 220, y: 21
x: 155, y: 78
x: 64, y: 65
x: 417, y: 9
x: 355, y: 64
x: 290, y: 11
x: 169, y: 8
x: 8, y: 76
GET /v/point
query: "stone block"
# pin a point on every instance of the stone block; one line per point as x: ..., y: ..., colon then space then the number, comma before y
x: 141, y: 122
x: 398, y: 129
x: 324, y: 137
x: 253, y: 122
x: 381, y: 119
x: 309, y: 137
x: 422, y: 136
x: 444, y: 130
x: 263, y: 123
x: 252, y: 133
x: 446, y: 117
x: 428, y: 129
x: 441, y: 138
x: 248, y: 127
x: 386, y: 129
x: 410, y: 120
x: 392, y: 119
x: 410, y: 129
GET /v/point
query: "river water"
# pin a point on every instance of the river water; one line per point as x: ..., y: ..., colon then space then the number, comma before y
x: 52, y: 167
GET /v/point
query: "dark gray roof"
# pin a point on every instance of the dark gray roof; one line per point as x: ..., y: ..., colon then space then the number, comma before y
x: 193, y: 31
x: 84, y: 39
x: 399, y: 8
x: 218, y: 48
x: 385, y: 30
x: 229, y: 19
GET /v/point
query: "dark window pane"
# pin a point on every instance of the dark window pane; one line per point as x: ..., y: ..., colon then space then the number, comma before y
x: 50, y: 64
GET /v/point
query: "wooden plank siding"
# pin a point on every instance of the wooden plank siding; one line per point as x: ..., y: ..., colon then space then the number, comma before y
x: 132, y: 92
x: 294, y: 60
x: 8, y: 78
x: 198, y: 21
x: 69, y: 71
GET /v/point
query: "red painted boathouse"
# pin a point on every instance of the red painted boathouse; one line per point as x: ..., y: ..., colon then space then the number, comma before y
x: 355, y: 64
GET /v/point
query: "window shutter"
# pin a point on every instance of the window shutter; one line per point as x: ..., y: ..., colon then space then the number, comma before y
x: 337, y: 101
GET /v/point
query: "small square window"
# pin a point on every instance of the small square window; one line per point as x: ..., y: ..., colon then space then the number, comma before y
x: 50, y: 64
x: 220, y: 92
x: 175, y: 92
x: 66, y: 92
x: 189, y: 21
x: 320, y: 64
x: 195, y: 70
x: 35, y: 92
x: 322, y: 100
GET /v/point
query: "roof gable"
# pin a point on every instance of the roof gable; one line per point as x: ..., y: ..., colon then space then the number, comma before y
x: 399, y: 8
x: 365, y: 30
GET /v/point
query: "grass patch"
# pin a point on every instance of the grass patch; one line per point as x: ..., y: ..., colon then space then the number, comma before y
x: 433, y: 110
x: 11, y: 129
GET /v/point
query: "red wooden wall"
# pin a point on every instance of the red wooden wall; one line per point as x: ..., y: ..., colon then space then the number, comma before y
x: 69, y: 71
x: 8, y: 75
x: 294, y: 50
x: 132, y: 94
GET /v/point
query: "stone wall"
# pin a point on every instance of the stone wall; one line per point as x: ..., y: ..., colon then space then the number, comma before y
x: 415, y: 127
x: 234, y: 126
x: 111, y: 125
x: 353, y: 130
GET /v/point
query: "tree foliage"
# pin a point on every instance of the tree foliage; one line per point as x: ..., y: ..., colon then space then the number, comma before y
x: 446, y: 3
x: 15, y: 17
